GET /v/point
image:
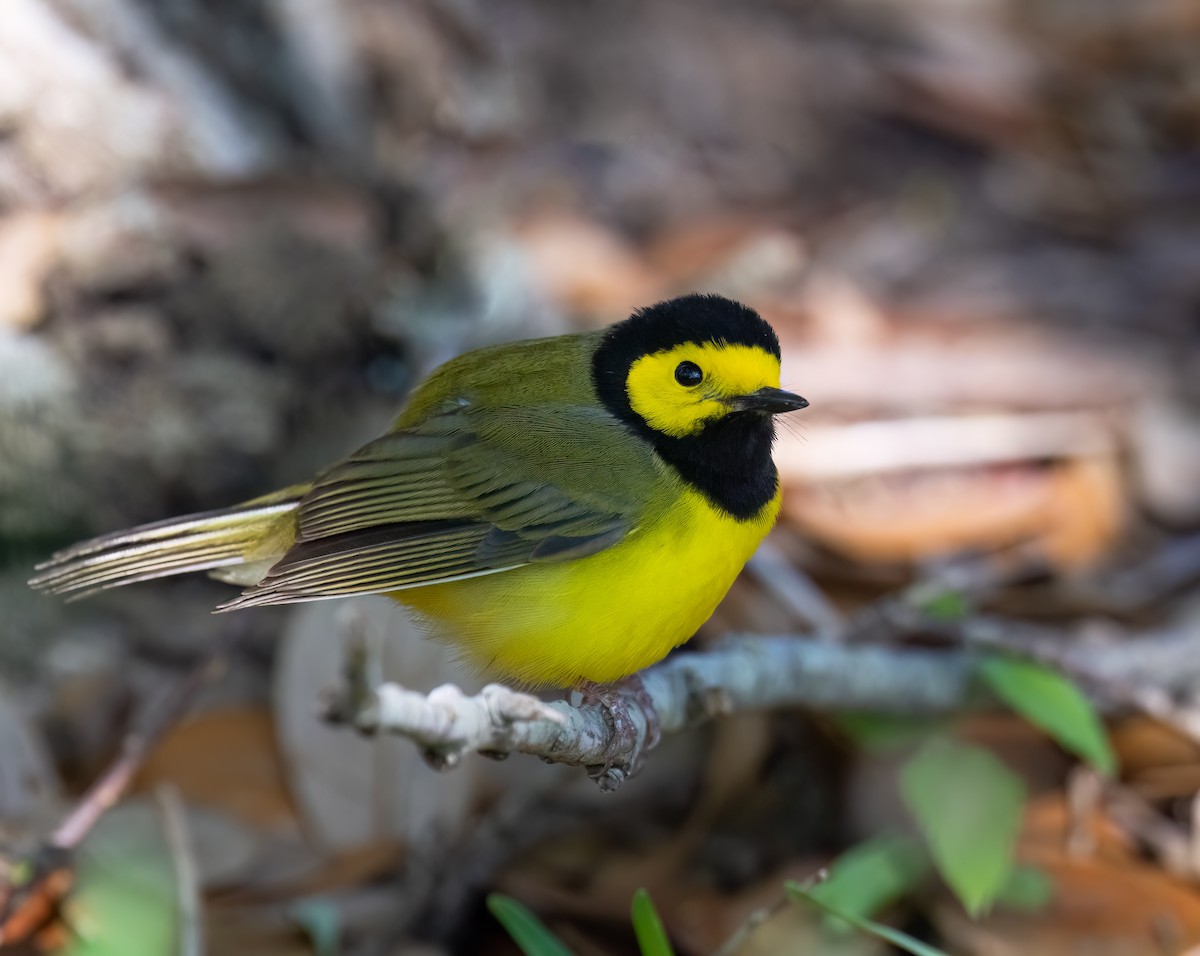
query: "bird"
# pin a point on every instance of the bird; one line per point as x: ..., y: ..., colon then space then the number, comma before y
x: 561, y: 511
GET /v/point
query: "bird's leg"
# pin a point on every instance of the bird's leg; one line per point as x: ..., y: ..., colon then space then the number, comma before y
x: 615, y: 699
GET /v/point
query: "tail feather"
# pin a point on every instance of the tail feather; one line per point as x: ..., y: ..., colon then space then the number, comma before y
x: 199, y: 542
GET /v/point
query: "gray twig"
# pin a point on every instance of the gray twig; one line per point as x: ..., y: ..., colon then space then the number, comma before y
x: 743, y: 674
x: 759, y: 674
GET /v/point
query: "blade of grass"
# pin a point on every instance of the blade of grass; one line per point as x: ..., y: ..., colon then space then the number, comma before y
x: 886, y: 933
x: 651, y: 936
x: 527, y: 931
x: 873, y: 874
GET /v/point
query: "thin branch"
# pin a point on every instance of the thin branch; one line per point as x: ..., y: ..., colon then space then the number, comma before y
x: 187, y: 881
x: 741, y: 675
x: 755, y: 674
x: 795, y: 590
x: 27, y: 907
x: 1137, y: 672
x: 111, y: 786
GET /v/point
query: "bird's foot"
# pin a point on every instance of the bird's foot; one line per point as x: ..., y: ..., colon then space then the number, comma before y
x: 636, y: 688
x: 627, y: 736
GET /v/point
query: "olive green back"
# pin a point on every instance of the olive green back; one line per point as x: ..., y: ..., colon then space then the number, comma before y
x: 504, y: 457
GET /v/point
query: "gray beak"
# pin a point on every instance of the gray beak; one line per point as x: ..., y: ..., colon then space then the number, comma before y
x: 769, y: 401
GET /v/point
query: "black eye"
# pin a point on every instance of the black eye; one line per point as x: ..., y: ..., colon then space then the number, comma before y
x: 689, y: 374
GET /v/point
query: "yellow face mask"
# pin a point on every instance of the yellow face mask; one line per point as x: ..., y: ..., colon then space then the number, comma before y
x: 680, y: 390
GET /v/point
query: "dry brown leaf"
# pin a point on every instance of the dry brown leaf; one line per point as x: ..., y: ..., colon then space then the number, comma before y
x: 226, y: 760
x: 1098, y: 906
x: 1164, y: 783
x: 1104, y: 900
x: 1085, y: 511
x: 1142, y: 744
x: 1157, y: 761
x: 905, y: 519
x: 1072, y: 512
x: 1050, y: 825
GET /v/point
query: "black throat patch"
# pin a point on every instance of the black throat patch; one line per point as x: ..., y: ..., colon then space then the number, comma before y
x: 729, y: 460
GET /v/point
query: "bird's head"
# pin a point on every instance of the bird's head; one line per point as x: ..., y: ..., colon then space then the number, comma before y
x: 683, y: 366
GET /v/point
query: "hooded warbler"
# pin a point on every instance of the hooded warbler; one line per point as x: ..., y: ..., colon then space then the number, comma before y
x: 562, y: 510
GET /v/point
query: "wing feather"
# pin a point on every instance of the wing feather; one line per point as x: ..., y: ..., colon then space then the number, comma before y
x: 368, y: 563
x: 465, y: 493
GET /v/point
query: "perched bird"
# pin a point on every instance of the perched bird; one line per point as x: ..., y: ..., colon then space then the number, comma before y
x: 563, y: 511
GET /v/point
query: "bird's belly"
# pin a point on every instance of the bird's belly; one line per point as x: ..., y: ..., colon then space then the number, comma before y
x: 598, y: 618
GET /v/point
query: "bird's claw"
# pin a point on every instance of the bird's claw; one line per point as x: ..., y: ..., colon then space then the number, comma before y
x: 629, y: 743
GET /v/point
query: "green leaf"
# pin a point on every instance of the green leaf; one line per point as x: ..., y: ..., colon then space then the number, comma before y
x: 886, y: 933
x: 651, y: 937
x: 869, y: 876
x: 528, y: 932
x: 946, y: 605
x: 20, y: 873
x: 1048, y: 700
x: 968, y: 806
x: 127, y: 899
x: 1028, y: 888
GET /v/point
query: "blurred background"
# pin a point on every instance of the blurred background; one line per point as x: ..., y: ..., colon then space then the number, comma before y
x: 232, y: 236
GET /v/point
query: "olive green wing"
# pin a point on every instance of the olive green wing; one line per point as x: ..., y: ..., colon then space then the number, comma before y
x: 464, y: 493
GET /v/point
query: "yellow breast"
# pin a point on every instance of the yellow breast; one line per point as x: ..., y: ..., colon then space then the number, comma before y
x: 603, y: 617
